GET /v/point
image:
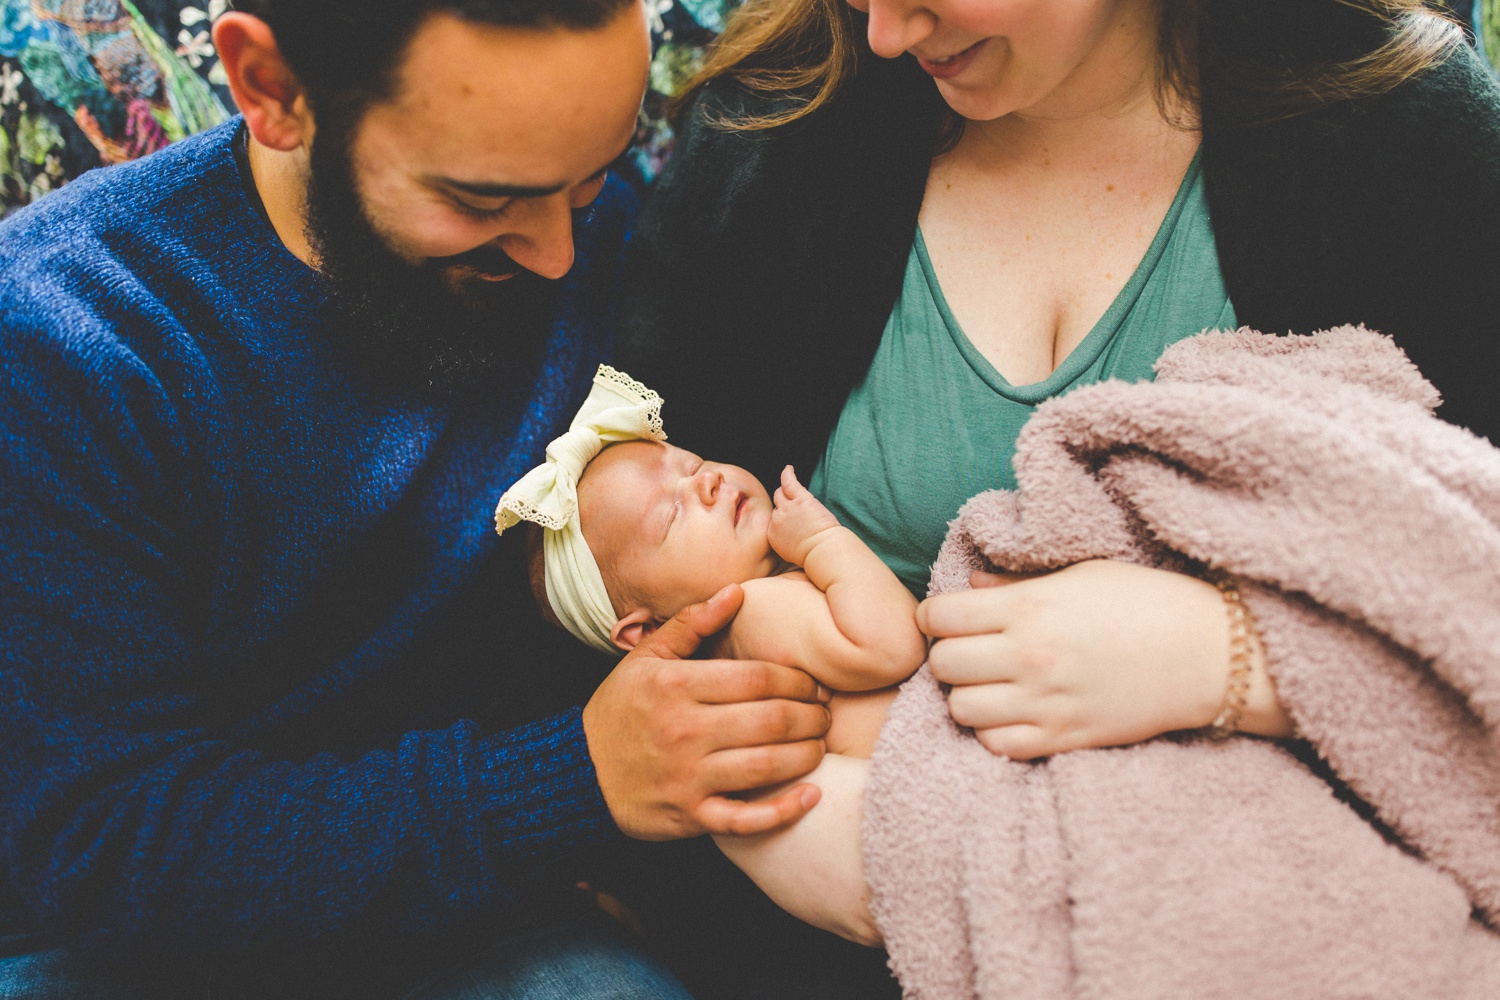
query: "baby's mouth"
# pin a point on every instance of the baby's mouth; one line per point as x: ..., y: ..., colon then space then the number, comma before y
x: 739, y: 507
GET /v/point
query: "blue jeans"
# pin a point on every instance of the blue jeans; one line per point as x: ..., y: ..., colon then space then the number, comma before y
x: 582, y: 956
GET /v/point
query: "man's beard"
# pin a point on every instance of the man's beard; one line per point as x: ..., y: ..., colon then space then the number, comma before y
x: 406, y: 325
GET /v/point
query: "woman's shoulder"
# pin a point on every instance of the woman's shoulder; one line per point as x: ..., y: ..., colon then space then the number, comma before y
x: 1451, y: 110
x: 1381, y: 211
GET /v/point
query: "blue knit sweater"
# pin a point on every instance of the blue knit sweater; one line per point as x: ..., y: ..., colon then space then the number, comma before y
x: 266, y: 671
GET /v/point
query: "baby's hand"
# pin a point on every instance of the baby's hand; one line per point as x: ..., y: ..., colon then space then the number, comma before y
x: 797, y: 521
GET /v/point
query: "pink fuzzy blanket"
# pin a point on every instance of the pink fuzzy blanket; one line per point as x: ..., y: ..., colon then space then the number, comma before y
x: 1361, y: 861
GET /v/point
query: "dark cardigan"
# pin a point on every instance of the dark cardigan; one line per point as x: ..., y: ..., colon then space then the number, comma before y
x: 766, y: 264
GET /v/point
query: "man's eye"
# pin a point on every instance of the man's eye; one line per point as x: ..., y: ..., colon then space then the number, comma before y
x: 481, y: 214
x: 584, y: 194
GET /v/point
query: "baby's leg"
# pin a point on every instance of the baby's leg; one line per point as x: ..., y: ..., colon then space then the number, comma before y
x: 814, y: 869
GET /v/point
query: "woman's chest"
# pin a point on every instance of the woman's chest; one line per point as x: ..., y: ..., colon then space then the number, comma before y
x: 1031, y: 257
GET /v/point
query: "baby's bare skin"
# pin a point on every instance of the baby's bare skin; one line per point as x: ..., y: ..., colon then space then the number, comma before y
x: 843, y: 616
x: 830, y: 607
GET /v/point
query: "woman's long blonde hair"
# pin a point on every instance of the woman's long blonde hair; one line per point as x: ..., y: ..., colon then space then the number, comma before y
x: 803, y: 51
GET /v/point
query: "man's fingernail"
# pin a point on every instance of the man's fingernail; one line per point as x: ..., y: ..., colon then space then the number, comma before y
x: 824, y: 695
x: 809, y: 797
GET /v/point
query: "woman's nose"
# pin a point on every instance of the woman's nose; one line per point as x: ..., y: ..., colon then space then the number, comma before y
x: 897, y: 25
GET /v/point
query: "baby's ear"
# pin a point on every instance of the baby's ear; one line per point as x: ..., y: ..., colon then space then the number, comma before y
x: 633, y: 628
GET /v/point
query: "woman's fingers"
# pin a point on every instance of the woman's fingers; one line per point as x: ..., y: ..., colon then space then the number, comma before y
x: 979, y: 579
x: 975, y: 659
x: 984, y: 706
x: 1021, y: 742
x: 966, y: 612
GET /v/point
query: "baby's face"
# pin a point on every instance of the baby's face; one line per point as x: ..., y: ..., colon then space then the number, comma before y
x: 669, y: 529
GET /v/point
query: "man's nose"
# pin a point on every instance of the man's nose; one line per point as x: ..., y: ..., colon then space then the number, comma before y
x: 897, y: 25
x: 541, y: 237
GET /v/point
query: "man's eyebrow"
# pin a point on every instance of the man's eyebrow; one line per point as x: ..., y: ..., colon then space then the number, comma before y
x: 481, y: 189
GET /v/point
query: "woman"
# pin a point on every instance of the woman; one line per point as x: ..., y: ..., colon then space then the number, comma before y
x: 888, y: 233
x: 906, y: 225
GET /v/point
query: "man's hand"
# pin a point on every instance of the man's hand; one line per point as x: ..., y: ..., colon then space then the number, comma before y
x: 797, y: 521
x: 672, y: 738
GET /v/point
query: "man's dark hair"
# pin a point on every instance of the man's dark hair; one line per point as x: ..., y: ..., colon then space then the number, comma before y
x: 346, y: 52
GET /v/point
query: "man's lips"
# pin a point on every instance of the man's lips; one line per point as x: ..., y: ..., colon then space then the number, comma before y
x: 486, y: 263
x: 484, y: 275
x: 951, y: 65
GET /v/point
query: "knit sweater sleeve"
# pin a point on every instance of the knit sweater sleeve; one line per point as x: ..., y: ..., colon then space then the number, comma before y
x: 141, y: 802
x: 131, y: 808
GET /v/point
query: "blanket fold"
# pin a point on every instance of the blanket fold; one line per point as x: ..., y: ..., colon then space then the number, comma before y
x: 1361, y: 862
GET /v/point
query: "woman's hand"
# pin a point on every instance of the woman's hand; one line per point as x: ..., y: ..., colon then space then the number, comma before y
x: 1099, y: 654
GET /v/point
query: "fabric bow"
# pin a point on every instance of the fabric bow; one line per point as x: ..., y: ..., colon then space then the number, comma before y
x: 618, y: 408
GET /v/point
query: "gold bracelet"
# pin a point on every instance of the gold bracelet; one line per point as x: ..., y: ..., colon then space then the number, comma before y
x: 1241, y: 659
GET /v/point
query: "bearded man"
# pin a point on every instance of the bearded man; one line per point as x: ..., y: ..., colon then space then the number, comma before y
x: 279, y: 718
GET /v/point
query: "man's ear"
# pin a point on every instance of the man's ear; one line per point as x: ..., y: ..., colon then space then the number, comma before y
x: 634, y: 627
x: 267, y: 91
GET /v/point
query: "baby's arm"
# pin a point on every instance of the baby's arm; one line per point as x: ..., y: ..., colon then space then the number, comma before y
x: 814, y: 869
x: 854, y: 628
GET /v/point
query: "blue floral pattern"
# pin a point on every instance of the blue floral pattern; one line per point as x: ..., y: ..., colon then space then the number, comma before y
x: 88, y: 83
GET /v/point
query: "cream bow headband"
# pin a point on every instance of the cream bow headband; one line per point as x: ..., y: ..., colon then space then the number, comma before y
x: 618, y: 408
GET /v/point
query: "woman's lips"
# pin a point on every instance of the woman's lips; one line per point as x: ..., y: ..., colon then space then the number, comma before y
x: 952, y: 65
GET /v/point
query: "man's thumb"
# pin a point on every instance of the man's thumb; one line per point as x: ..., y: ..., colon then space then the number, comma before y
x: 679, y: 637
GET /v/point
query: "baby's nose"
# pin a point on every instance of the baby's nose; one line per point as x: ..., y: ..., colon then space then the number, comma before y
x: 709, y: 481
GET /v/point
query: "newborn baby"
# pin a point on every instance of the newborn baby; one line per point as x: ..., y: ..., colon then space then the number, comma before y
x: 669, y: 529
x: 633, y: 530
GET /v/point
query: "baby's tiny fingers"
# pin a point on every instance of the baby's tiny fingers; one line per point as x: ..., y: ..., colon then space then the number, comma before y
x: 789, y: 483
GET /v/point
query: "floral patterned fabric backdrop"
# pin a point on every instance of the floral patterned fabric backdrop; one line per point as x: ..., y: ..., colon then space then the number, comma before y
x: 1486, y: 21
x: 88, y: 83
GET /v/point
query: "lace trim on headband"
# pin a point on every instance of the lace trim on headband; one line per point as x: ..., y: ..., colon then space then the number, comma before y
x: 524, y: 510
x: 649, y: 399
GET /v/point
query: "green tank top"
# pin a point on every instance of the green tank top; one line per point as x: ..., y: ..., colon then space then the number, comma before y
x: 933, y: 423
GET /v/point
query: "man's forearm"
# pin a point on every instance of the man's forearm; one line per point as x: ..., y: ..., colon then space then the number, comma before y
x: 209, y: 844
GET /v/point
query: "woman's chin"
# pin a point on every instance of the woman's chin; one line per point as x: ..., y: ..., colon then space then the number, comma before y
x: 974, y: 104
